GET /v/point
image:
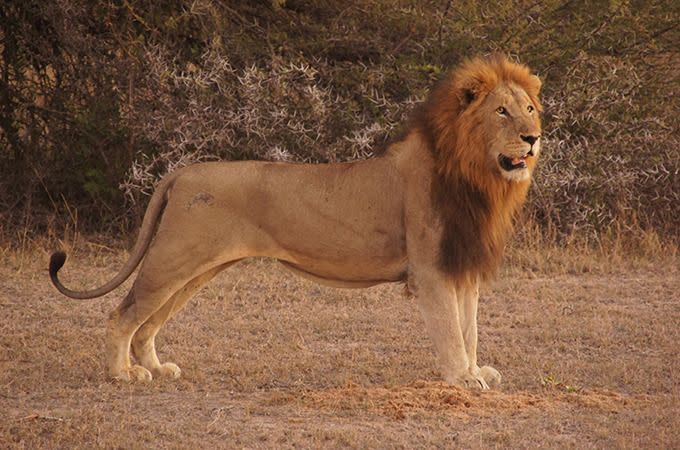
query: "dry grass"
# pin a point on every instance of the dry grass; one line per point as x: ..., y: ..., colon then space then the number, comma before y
x: 272, y: 361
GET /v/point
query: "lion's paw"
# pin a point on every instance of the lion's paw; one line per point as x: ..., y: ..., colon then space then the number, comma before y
x: 168, y: 370
x: 491, y: 376
x: 468, y: 381
x: 134, y: 373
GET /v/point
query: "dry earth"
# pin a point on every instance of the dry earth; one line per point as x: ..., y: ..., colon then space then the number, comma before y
x: 589, y: 359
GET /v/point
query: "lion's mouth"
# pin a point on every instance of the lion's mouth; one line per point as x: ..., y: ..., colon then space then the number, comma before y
x: 509, y: 164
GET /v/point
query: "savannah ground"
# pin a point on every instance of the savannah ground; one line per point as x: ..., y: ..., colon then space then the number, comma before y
x: 587, y: 342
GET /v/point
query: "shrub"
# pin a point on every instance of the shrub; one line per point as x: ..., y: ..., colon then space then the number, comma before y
x: 100, y: 98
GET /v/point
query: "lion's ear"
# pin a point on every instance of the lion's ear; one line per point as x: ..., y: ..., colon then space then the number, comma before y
x: 468, y: 96
x: 468, y: 92
x: 536, y: 82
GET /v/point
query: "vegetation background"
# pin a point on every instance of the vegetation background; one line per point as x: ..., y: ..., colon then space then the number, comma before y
x: 98, y: 99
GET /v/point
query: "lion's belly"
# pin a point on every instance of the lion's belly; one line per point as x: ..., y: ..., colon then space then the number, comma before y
x: 335, y: 279
x: 347, y: 267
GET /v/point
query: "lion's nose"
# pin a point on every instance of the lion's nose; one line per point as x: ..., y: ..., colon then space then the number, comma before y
x: 529, y: 138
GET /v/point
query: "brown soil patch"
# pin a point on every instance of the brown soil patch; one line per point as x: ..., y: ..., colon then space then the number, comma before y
x: 437, y: 397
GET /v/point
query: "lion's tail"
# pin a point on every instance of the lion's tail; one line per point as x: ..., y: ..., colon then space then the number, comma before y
x: 146, y: 233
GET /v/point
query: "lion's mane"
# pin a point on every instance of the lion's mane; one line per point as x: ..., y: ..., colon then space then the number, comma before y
x: 476, y: 207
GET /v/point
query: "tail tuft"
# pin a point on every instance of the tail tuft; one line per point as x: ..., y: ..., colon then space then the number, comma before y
x: 57, y: 260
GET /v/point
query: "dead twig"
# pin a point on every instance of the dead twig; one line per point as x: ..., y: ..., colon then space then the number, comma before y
x: 40, y: 417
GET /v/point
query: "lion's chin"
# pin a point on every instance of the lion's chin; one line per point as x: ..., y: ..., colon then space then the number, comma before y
x: 516, y: 175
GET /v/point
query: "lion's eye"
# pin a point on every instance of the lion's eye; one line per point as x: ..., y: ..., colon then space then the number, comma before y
x: 502, y: 111
x: 530, y: 109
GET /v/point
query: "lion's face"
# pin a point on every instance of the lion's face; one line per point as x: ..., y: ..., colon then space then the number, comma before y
x: 485, y: 124
x: 512, y: 130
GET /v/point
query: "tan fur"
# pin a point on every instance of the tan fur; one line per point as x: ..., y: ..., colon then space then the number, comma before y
x: 434, y: 210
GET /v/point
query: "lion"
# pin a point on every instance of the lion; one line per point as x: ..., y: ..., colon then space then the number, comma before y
x: 433, y: 211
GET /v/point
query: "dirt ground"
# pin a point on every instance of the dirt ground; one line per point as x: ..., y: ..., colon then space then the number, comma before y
x: 589, y: 357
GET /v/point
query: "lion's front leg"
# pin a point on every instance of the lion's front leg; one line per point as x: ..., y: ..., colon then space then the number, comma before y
x: 437, y: 300
x: 468, y: 299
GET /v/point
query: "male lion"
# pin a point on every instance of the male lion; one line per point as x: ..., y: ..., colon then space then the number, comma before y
x: 434, y: 211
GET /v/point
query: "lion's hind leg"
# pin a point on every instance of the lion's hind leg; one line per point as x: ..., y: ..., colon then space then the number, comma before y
x: 153, y: 289
x: 143, y: 341
x: 122, y: 324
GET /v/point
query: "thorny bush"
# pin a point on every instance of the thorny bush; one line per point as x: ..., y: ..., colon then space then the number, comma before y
x: 103, y: 98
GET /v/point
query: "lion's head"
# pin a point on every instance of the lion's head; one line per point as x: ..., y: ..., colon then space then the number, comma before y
x: 484, y: 128
x: 485, y: 119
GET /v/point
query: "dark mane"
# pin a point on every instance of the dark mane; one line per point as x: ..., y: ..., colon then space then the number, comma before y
x: 475, y: 207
